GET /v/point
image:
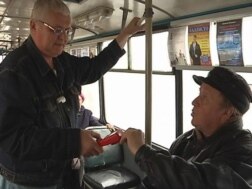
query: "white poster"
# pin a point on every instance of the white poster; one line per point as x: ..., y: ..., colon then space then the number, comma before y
x: 176, y: 46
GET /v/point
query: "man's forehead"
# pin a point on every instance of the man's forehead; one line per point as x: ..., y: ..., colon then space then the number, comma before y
x: 204, y: 87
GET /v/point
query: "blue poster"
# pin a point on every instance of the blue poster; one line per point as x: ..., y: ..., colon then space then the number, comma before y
x: 229, y: 43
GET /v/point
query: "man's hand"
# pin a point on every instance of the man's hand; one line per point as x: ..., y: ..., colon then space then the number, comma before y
x: 134, y: 139
x: 89, y: 146
x: 132, y: 28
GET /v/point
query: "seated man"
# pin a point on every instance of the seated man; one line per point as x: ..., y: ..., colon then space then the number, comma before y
x: 217, y: 153
x: 85, y: 116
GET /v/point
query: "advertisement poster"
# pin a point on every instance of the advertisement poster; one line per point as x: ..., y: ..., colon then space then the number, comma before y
x: 80, y: 52
x: 176, y: 46
x: 199, y: 45
x: 85, y: 51
x: 229, y: 43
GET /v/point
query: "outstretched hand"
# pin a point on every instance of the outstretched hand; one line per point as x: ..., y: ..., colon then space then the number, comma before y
x: 132, y: 28
x: 134, y: 139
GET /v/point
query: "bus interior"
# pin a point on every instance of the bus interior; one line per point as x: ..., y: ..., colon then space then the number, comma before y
x: 151, y: 87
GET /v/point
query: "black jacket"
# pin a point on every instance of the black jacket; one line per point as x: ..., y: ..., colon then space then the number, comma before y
x: 222, y: 161
x: 38, y: 134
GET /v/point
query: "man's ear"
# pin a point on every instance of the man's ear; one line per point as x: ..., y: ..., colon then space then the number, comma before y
x: 32, y: 25
x: 229, y: 112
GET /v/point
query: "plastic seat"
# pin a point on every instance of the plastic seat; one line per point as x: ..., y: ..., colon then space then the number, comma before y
x: 106, y: 170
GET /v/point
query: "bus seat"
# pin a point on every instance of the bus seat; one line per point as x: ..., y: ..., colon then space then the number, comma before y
x: 106, y: 171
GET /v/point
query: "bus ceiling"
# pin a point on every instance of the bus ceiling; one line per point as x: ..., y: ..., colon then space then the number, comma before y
x: 95, y: 18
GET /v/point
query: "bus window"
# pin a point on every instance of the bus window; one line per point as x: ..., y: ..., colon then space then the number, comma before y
x: 137, y: 49
x: 247, y: 119
x: 160, y: 59
x: 163, y: 106
x: 247, y: 40
x: 126, y: 104
x: 122, y: 63
x: 91, y: 93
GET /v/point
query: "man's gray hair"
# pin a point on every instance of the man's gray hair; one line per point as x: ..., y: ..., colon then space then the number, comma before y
x: 42, y: 7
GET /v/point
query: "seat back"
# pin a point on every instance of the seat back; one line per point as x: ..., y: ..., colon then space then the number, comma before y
x: 106, y: 171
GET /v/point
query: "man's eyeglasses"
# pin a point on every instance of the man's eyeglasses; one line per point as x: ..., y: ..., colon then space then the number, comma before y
x: 58, y: 30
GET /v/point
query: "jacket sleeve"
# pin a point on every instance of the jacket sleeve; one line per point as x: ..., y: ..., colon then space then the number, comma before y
x: 94, y: 121
x: 88, y: 70
x: 169, y: 171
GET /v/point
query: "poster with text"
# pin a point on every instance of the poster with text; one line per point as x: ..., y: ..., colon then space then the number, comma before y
x: 229, y: 43
x: 176, y: 46
x: 199, y: 45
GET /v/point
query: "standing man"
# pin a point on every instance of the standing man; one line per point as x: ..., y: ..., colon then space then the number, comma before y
x: 217, y: 153
x: 39, y: 100
x: 195, y: 51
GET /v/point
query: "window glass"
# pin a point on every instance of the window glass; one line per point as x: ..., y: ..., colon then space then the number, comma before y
x: 91, y: 94
x: 163, y: 106
x: 247, y: 118
x: 247, y: 40
x: 137, y: 49
x: 124, y: 102
x: 160, y: 59
x: 125, y: 106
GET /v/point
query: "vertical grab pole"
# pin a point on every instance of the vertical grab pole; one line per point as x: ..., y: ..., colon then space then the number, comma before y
x: 148, y: 72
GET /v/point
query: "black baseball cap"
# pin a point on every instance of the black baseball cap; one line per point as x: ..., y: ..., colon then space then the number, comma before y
x: 233, y: 86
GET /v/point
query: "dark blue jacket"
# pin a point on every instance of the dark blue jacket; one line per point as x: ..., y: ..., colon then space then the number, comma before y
x: 85, y: 118
x: 38, y: 134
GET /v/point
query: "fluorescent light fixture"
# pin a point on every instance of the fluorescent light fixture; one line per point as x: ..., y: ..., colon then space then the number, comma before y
x: 89, y: 18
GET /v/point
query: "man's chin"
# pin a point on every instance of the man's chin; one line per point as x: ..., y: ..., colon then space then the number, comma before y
x: 57, y: 53
x: 193, y: 123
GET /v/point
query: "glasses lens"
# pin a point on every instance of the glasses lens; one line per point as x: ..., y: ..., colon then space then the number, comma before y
x: 58, y: 31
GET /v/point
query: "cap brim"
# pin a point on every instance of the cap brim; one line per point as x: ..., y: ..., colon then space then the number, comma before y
x: 198, y: 79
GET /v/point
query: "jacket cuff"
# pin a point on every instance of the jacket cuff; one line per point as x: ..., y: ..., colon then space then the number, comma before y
x: 116, y: 48
x: 143, y: 152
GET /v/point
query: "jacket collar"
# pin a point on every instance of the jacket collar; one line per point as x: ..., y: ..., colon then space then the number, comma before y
x: 226, y: 129
x: 39, y: 60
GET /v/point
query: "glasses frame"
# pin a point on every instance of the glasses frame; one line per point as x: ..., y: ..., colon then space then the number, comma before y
x: 58, y: 30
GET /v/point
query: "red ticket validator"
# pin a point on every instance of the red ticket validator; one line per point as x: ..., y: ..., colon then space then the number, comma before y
x: 112, y: 138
